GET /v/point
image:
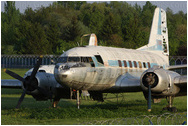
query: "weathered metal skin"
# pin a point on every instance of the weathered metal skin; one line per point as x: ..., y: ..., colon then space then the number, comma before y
x: 44, y: 79
x: 104, y: 77
x: 165, y: 85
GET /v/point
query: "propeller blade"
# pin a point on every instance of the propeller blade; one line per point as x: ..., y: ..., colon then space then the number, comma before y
x: 14, y: 75
x: 21, y: 99
x: 149, y: 98
x: 35, y: 68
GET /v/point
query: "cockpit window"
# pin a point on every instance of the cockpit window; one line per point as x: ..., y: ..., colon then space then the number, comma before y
x: 99, y: 59
x: 85, y: 60
x: 62, y: 59
x: 73, y: 59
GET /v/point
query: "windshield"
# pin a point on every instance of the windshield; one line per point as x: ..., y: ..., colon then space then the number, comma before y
x: 62, y: 60
x: 73, y: 59
x: 68, y: 59
x: 85, y: 60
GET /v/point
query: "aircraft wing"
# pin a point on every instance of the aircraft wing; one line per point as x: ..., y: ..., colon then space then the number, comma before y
x: 128, y: 82
x: 180, y: 80
x: 11, y: 83
x: 174, y: 67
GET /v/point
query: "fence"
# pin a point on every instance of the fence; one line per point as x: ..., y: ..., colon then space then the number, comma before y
x: 28, y: 61
x: 25, y: 61
x: 164, y: 119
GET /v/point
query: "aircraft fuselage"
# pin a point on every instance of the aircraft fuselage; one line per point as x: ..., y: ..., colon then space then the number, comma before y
x: 100, y: 68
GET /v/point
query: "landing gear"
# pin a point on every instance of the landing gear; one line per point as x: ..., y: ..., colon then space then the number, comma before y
x: 78, y: 99
x: 55, y: 102
x: 169, y: 106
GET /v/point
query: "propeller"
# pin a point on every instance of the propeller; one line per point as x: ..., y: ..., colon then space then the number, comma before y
x: 28, y: 82
x: 150, y: 80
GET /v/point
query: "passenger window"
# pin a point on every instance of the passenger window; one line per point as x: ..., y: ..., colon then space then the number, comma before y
x: 120, y: 64
x: 130, y: 64
x: 125, y: 63
x: 135, y: 64
x: 144, y: 64
x: 140, y: 64
x: 149, y: 65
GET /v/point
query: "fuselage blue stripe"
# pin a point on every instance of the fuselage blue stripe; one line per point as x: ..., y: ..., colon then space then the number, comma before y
x: 115, y: 63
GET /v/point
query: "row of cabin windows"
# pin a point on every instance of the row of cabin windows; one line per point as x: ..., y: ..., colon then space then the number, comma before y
x: 99, y: 60
x: 135, y: 64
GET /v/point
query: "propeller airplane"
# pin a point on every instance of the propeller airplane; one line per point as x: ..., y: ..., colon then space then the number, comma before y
x: 100, y: 69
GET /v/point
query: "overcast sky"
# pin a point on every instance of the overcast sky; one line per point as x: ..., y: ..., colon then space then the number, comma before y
x: 176, y: 6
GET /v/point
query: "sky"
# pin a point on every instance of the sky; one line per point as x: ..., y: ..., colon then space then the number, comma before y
x: 175, y: 6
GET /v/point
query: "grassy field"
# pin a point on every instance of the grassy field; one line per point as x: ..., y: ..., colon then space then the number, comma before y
x: 40, y: 112
x: 34, y: 112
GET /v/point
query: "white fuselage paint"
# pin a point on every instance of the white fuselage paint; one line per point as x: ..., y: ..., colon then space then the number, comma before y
x: 113, y: 75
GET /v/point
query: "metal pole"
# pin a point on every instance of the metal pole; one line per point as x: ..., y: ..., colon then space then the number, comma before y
x: 78, y: 99
x: 71, y: 93
x: 149, y: 98
x: 170, y: 101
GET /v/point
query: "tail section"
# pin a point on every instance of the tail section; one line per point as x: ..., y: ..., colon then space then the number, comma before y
x: 93, y: 40
x: 158, y: 40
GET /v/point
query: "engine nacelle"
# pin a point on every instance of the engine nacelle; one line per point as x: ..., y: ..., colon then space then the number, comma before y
x: 43, y: 80
x: 160, y: 80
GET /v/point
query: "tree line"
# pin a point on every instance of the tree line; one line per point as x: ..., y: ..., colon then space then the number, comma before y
x: 60, y: 26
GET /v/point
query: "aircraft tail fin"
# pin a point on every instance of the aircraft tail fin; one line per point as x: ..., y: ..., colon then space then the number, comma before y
x: 158, y: 40
x: 93, y: 40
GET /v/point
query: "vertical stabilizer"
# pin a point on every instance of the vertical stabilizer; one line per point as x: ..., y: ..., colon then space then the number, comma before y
x: 158, y: 40
x: 93, y: 40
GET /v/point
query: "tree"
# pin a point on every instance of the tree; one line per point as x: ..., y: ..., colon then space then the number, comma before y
x: 73, y: 31
x: 9, y: 22
x: 111, y: 30
x: 60, y: 26
x: 72, y: 4
x: 93, y: 16
x: 53, y: 34
x: 33, y: 39
x: 147, y: 14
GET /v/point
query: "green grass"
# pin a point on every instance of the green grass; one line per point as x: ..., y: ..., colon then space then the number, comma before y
x: 34, y: 112
x: 20, y: 72
x: 39, y: 112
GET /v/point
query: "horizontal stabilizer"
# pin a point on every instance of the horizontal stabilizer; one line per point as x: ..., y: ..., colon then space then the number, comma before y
x: 174, y: 67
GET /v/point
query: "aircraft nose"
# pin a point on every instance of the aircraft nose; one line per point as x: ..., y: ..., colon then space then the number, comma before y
x: 61, y: 73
